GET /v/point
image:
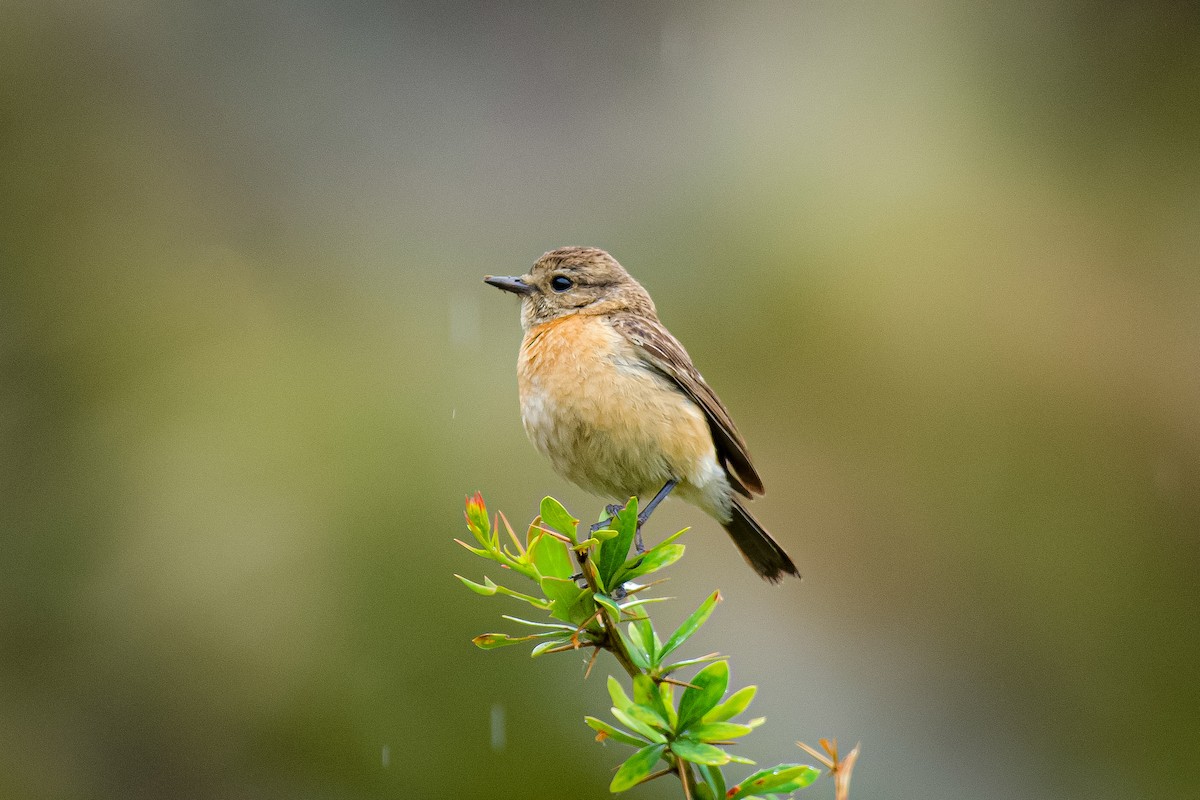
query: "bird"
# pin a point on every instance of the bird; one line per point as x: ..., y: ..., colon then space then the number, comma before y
x: 613, y: 400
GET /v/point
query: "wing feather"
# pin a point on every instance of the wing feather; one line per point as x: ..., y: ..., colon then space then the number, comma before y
x: 665, y: 354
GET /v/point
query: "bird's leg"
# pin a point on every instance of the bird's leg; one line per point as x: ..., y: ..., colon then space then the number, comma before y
x: 648, y: 510
x: 658, y: 498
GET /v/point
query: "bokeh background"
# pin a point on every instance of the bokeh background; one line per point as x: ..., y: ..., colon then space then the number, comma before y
x: 940, y: 263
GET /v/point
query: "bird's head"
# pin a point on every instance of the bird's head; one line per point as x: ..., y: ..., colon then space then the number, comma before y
x: 575, y: 280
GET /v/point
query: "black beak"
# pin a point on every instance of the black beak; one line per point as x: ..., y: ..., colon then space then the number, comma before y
x: 509, y: 284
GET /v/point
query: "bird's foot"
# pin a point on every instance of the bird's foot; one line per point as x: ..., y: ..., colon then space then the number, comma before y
x: 612, y: 509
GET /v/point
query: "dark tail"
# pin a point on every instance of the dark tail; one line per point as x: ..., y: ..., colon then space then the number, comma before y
x: 758, y: 548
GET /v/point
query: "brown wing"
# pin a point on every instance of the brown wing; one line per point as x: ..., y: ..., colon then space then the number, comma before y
x: 664, y: 352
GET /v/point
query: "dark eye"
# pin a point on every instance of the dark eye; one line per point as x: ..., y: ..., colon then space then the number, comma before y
x: 560, y: 283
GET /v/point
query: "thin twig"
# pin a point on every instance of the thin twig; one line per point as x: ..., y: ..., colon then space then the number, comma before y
x: 583, y: 628
x: 511, y: 534
x: 655, y: 775
x: 645, y: 586
x: 683, y: 778
x: 591, y: 662
x: 553, y: 533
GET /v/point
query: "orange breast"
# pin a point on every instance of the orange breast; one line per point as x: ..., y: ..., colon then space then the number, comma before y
x: 605, y: 419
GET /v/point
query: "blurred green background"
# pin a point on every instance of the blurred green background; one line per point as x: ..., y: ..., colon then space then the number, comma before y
x: 940, y: 263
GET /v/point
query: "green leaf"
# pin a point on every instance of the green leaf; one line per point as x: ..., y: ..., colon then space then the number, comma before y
x: 490, y: 641
x: 532, y: 624
x: 642, y: 601
x: 536, y: 602
x: 551, y: 557
x: 616, y: 734
x: 489, y: 588
x: 738, y: 702
x: 783, y: 779
x: 640, y: 618
x: 636, y: 654
x: 601, y: 588
x: 583, y: 609
x: 613, y: 552
x: 692, y: 624
x: 669, y: 539
x: 667, y: 692
x: 650, y: 561
x: 714, y: 778
x: 609, y: 605
x: 662, y: 554
x: 648, y: 693
x: 619, y: 698
x: 557, y: 517
x: 718, y: 731
x: 636, y: 725
x: 649, y: 716
x: 643, y: 636
x: 706, y: 689
x: 477, y: 551
x: 699, y: 752
x: 562, y: 593
x: 636, y: 768
x: 688, y: 662
x: 486, y: 589
x: 544, y: 646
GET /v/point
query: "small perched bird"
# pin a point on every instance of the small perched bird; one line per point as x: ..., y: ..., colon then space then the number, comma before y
x: 612, y: 399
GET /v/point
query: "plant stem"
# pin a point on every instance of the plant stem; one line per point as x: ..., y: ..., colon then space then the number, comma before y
x: 616, y: 645
x: 612, y: 637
